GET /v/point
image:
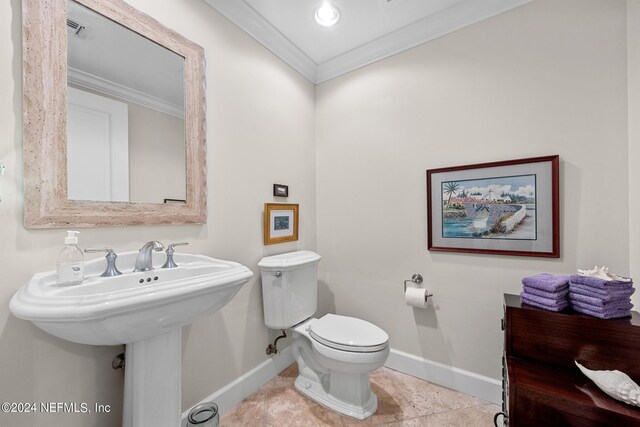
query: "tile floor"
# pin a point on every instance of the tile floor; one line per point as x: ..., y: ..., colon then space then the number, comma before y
x: 402, y: 401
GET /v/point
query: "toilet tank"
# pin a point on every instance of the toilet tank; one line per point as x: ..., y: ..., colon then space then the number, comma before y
x: 289, y: 288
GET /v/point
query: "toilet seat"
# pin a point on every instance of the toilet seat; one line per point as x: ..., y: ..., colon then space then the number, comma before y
x: 348, y: 334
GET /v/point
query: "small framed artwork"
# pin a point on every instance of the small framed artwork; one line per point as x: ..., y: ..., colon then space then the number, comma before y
x: 280, y: 223
x: 504, y: 208
x: 280, y: 190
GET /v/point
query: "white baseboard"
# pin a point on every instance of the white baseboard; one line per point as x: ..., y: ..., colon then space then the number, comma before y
x: 482, y: 387
x: 233, y: 393
x: 454, y: 378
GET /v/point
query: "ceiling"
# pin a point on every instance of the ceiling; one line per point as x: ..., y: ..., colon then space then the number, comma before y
x: 369, y: 30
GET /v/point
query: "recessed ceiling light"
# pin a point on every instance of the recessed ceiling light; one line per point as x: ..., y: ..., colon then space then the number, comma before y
x: 327, y: 15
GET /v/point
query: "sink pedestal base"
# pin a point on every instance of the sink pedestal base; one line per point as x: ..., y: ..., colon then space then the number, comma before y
x: 152, y: 388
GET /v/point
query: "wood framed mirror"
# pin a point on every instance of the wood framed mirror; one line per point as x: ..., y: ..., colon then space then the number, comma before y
x: 132, y: 188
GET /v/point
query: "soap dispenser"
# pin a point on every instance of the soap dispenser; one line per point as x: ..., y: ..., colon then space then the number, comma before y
x: 70, y: 261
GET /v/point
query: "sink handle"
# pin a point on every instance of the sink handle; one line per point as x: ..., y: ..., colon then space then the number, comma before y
x: 171, y: 245
x: 111, y: 256
x: 170, y: 263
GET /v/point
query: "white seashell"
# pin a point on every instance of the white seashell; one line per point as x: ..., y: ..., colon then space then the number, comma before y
x: 599, y: 272
x: 603, y: 273
x: 617, y: 278
x: 615, y: 383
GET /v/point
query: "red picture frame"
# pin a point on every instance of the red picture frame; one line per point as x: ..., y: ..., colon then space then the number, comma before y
x: 507, y: 207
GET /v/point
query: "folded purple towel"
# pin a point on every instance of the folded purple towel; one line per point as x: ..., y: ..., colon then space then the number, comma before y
x: 612, y: 314
x: 624, y: 305
x: 598, y: 301
x: 599, y: 283
x: 551, y: 295
x: 535, y: 303
x: 544, y: 307
x: 545, y: 301
x: 607, y: 294
x: 547, y: 282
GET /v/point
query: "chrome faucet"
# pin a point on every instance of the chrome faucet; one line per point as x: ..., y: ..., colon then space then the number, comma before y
x: 144, y: 262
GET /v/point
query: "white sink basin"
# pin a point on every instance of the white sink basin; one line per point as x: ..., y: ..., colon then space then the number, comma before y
x: 131, y: 307
x: 145, y: 311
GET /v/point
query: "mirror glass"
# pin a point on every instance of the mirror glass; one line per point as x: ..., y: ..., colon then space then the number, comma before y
x: 125, y: 113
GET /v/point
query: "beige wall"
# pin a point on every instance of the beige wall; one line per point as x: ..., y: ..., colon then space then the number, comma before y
x: 546, y: 78
x: 260, y: 130
x: 633, y: 49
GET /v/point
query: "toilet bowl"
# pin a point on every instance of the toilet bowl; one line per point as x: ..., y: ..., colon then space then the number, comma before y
x: 335, y: 354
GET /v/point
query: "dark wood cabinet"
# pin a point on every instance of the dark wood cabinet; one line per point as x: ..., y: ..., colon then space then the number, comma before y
x: 541, y: 384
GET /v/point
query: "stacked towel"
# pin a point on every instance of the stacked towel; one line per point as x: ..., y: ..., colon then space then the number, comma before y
x: 546, y: 291
x: 606, y: 299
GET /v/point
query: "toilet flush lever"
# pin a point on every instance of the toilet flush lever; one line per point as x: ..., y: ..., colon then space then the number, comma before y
x: 278, y: 273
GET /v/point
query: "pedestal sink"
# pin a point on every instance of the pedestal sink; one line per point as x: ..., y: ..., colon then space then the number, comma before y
x: 144, y: 310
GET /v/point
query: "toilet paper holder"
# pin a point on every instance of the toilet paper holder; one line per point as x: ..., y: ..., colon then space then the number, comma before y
x: 416, y: 279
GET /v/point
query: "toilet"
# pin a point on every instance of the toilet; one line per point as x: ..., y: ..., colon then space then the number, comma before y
x: 335, y: 354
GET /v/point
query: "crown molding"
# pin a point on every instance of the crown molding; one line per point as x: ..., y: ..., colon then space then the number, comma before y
x: 98, y: 84
x: 250, y: 21
x: 446, y: 21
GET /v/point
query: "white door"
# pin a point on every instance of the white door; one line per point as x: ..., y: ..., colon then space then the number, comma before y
x: 97, y: 147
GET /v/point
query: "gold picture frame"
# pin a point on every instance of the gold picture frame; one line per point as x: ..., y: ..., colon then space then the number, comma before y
x: 280, y: 223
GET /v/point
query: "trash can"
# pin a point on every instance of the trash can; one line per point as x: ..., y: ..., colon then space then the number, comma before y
x: 204, y: 415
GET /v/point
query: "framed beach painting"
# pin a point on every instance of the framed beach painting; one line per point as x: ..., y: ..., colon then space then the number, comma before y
x: 504, y: 208
x: 280, y: 223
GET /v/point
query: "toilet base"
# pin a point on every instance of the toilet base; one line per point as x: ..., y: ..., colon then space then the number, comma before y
x: 336, y: 379
x: 316, y: 392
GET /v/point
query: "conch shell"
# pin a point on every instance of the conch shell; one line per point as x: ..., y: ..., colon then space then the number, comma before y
x: 615, y: 383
